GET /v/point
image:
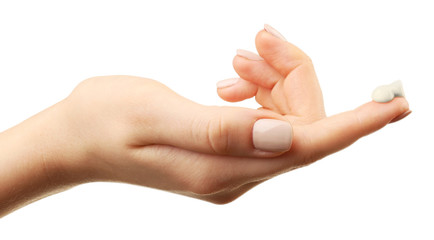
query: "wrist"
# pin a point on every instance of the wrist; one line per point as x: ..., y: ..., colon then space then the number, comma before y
x: 38, y: 157
x: 62, y: 152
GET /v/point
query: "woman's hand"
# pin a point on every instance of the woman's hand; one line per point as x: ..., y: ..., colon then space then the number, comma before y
x: 136, y: 130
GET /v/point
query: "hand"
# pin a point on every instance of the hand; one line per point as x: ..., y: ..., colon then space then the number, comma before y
x: 136, y: 130
x: 164, y: 141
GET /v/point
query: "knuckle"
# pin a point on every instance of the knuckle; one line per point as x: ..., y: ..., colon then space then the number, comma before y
x: 217, y: 135
x: 305, y: 150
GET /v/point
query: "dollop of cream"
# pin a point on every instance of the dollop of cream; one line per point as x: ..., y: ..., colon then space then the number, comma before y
x: 387, y: 93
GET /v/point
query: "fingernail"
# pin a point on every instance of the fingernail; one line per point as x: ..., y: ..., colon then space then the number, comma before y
x: 400, y: 117
x: 249, y: 55
x: 274, y: 32
x: 272, y: 135
x: 227, y: 82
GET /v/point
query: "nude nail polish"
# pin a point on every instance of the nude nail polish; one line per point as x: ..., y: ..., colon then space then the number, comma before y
x: 249, y: 55
x: 400, y: 117
x: 272, y: 135
x: 227, y: 83
x: 274, y: 32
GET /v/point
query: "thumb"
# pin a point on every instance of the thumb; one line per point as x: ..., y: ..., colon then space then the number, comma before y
x: 224, y: 130
x: 339, y: 131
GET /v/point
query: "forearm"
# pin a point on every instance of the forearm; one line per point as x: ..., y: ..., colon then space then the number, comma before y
x: 32, y: 161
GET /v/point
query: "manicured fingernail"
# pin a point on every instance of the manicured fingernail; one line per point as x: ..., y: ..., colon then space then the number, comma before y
x: 227, y: 82
x: 249, y: 55
x: 274, y: 32
x: 400, y: 117
x: 272, y: 135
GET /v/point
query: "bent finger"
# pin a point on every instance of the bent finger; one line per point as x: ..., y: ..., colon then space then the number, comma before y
x: 258, y: 72
x: 236, y: 89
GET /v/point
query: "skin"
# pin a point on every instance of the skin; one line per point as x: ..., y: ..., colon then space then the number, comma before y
x: 136, y: 130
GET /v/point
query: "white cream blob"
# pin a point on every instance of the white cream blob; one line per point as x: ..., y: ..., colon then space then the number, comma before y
x: 387, y: 93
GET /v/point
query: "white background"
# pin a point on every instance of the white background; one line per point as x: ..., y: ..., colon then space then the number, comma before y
x: 379, y: 188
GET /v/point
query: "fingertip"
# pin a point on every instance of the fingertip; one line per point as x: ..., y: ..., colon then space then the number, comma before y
x: 282, y: 55
x: 339, y: 131
x: 239, y: 63
x: 235, y: 90
x: 402, y: 116
x: 227, y: 83
x: 388, y: 110
x: 398, y: 108
x: 402, y: 103
x: 372, y: 116
x: 263, y: 40
x: 257, y: 72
